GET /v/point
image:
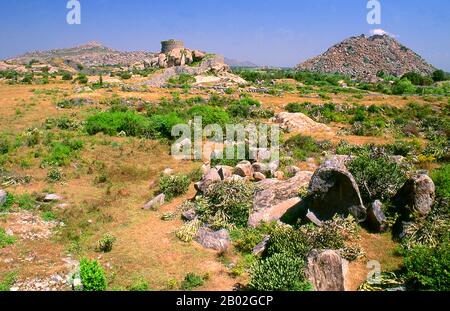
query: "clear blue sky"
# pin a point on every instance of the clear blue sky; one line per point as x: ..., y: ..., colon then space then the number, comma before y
x: 267, y: 32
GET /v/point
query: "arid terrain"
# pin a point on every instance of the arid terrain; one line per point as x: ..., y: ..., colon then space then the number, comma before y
x: 82, y: 152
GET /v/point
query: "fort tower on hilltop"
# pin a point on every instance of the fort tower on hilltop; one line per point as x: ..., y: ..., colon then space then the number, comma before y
x: 169, y: 45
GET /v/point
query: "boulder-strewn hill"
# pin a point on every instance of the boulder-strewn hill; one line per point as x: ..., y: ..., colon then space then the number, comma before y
x: 90, y: 55
x: 363, y: 57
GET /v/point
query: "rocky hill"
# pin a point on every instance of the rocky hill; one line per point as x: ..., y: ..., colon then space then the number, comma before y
x: 363, y: 57
x: 90, y: 55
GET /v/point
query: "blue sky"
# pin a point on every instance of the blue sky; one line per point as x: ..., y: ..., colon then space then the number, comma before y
x: 267, y: 32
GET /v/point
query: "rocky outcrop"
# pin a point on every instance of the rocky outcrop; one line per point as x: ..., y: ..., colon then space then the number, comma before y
x: 213, y: 64
x: 326, y: 270
x: 364, y: 57
x: 275, y: 198
x: 217, y: 240
x: 298, y: 122
x: 333, y: 191
x: 416, y: 196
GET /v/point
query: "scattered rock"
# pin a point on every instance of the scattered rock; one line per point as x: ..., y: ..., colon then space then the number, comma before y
x: 244, y: 169
x: 217, y: 240
x: 333, y: 190
x: 375, y: 217
x: 52, y: 198
x: 189, y: 215
x: 156, y: 202
x: 210, y: 178
x: 326, y: 270
x: 3, y: 196
x: 416, y: 196
x: 261, y: 247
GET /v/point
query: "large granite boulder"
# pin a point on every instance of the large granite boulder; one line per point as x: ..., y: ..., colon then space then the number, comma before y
x: 274, y: 198
x: 333, y: 191
x: 326, y: 270
x: 416, y: 196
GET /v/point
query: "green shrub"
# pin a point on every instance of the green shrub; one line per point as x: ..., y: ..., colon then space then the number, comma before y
x: 5, y: 239
x: 378, y: 177
x: 228, y: 201
x: 92, y: 275
x: 113, y: 123
x: 246, y: 239
x: 279, y: 273
x: 126, y: 75
x: 403, y: 86
x: 54, y: 175
x: 441, y: 178
x: 4, y: 145
x: 82, y: 78
x: 61, y: 153
x: 105, y: 244
x: 174, y: 186
x: 67, y: 76
x: 192, y: 281
x: 428, y: 268
x: 163, y: 124
x: 182, y: 79
x: 7, y: 282
x: 25, y: 201
x: 210, y: 115
x: 140, y: 285
x: 48, y: 216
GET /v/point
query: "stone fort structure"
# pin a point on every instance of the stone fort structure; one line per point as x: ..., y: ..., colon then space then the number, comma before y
x: 169, y: 45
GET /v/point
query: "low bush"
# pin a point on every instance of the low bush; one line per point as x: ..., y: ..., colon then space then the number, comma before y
x: 92, y: 275
x: 113, y: 123
x: 428, y: 268
x: 378, y: 177
x: 62, y: 153
x: 174, y: 186
x: 441, y: 178
x: 279, y: 273
x: 48, y: 216
x: 302, y: 147
x: 246, y: 239
x: 191, y: 281
x: 228, y: 201
x: 5, y: 239
x: 210, y: 115
x: 7, y: 282
x: 105, y: 244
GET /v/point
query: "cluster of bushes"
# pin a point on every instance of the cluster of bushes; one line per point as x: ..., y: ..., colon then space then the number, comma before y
x: 282, y: 264
x: 159, y: 119
x: 174, y: 185
x: 61, y: 153
x: 306, y: 77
